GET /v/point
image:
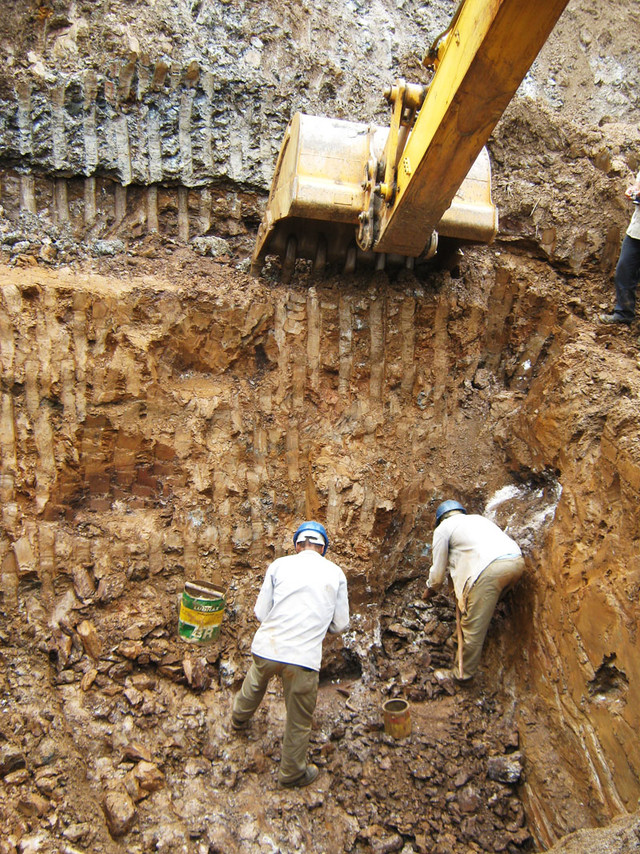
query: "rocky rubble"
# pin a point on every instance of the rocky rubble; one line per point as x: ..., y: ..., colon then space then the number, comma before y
x: 30, y: 240
x: 145, y: 726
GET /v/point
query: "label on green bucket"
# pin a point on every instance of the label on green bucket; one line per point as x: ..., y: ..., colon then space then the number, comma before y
x: 200, y: 614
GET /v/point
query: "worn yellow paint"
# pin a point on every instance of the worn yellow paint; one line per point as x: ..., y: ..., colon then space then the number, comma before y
x: 485, y: 58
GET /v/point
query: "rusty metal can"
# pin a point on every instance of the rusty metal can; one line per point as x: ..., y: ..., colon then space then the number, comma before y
x: 397, y: 718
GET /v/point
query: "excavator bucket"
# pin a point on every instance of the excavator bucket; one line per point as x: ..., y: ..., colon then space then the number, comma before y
x: 472, y: 215
x: 342, y: 189
x: 318, y: 195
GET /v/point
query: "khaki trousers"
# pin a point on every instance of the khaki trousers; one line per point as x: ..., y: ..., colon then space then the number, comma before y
x: 300, y: 686
x: 492, y: 583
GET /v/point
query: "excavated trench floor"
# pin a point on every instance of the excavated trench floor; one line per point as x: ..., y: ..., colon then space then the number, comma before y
x: 77, y: 737
x: 148, y: 406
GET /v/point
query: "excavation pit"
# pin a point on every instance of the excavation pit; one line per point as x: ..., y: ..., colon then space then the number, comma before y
x: 161, y: 410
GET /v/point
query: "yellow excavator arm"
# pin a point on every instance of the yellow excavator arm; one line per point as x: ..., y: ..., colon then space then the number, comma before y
x: 343, y: 190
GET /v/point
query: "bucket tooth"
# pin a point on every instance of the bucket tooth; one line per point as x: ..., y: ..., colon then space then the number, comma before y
x: 289, y: 259
x: 350, y: 260
x: 320, y: 261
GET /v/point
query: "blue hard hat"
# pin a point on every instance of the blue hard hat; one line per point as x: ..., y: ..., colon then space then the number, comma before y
x: 313, y: 529
x: 446, y: 507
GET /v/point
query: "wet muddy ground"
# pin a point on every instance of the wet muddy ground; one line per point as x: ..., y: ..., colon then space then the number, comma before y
x: 110, y: 751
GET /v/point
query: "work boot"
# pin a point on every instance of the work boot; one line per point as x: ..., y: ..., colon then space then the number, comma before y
x: 310, y: 774
x: 615, y: 318
x: 239, y: 725
x: 443, y: 676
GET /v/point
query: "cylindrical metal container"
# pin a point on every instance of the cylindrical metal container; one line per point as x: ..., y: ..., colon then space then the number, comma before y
x: 201, y: 612
x: 397, y: 718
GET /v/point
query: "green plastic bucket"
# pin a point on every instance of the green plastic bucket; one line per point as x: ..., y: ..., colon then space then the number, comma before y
x: 201, y: 612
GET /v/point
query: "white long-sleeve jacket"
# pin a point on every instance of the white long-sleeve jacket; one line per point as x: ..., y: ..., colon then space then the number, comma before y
x: 465, y: 545
x: 302, y: 597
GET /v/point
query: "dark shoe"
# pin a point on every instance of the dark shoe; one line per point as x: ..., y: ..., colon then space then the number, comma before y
x: 310, y: 774
x: 239, y: 725
x: 615, y: 318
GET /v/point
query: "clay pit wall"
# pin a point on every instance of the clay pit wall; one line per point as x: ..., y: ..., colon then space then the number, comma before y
x: 159, y: 422
x: 155, y: 430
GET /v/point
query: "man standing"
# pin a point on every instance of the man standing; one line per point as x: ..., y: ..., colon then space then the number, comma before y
x: 302, y: 597
x: 628, y: 266
x: 483, y: 563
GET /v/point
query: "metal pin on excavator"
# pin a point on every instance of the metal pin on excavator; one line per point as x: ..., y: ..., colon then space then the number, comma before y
x: 344, y: 191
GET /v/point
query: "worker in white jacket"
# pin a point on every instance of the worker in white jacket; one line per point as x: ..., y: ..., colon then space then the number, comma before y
x: 483, y: 563
x: 302, y: 597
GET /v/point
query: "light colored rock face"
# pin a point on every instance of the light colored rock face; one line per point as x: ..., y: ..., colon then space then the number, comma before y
x: 168, y: 117
x: 189, y: 93
x: 161, y: 92
x: 580, y: 417
x: 620, y: 837
x: 163, y: 416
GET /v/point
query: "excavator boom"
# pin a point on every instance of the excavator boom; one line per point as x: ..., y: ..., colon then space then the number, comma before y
x: 342, y: 190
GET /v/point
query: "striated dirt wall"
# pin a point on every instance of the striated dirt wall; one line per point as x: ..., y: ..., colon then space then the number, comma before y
x: 191, y: 92
x: 163, y: 414
x: 159, y: 428
x: 580, y: 418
